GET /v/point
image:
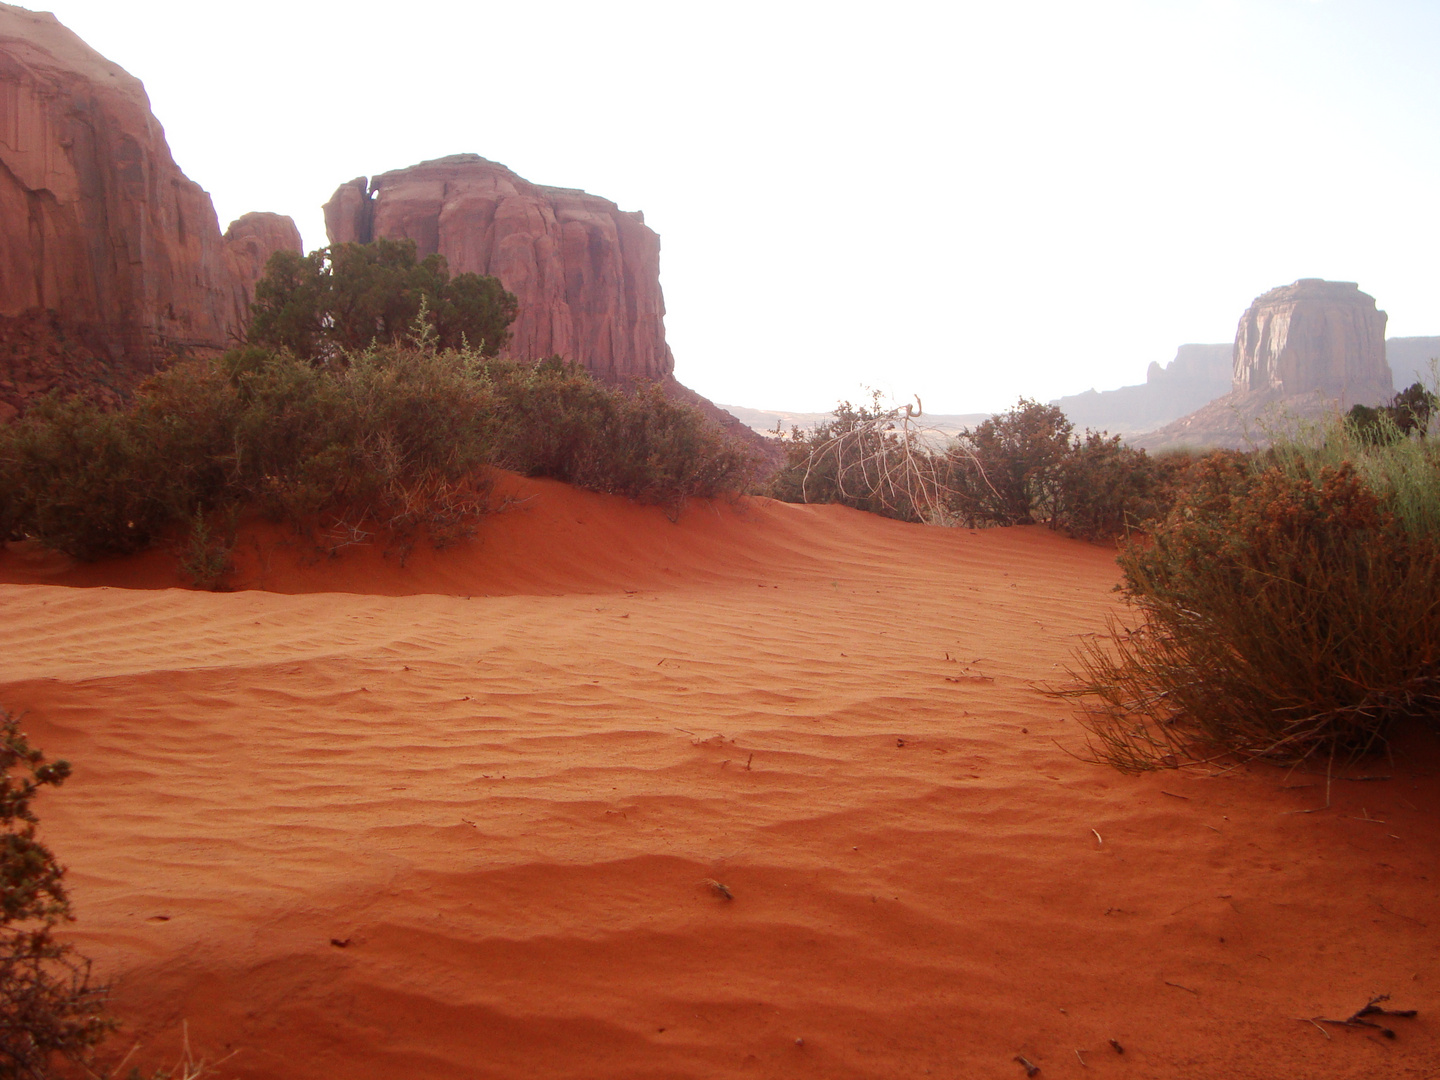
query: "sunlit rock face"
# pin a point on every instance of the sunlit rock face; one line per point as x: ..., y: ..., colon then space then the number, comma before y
x: 1314, y: 336
x: 249, y: 242
x: 111, y: 259
x: 1302, y: 351
x: 586, y: 273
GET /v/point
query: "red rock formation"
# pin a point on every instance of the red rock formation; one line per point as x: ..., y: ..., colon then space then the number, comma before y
x: 103, y: 239
x: 249, y: 243
x: 586, y: 273
x: 1301, y: 351
x: 1313, y: 336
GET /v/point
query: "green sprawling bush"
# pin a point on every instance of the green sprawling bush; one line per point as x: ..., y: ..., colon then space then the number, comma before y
x: 348, y: 296
x: 1288, y: 608
x: 389, y: 439
x: 557, y: 421
x: 49, y: 1008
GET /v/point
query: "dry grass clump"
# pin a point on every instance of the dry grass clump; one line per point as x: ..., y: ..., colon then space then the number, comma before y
x: 1286, y: 611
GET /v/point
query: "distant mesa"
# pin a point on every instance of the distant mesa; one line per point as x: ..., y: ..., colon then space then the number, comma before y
x: 111, y: 259
x: 586, y: 273
x: 1313, y: 337
x: 1198, y: 374
x: 1301, y: 350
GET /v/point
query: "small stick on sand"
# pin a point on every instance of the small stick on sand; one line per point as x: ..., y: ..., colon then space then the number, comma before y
x: 1083, y: 1063
x: 1098, y: 838
x: 1031, y: 1069
x: 1185, y: 988
x: 1117, y: 1047
x: 1174, y: 796
x: 722, y: 891
x: 1317, y: 1027
x: 1370, y: 1008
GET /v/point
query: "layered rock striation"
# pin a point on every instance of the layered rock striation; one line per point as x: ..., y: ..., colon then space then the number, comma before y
x: 586, y: 273
x: 103, y: 240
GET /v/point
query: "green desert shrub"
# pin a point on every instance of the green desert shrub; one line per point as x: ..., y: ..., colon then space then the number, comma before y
x: 395, y: 439
x: 346, y: 297
x: 1006, y: 469
x: 557, y: 421
x: 50, y: 1011
x: 1023, y: 466
x: 1283, y: 610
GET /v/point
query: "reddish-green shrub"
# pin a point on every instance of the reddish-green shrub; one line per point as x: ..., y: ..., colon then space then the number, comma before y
x: 1278, y: 617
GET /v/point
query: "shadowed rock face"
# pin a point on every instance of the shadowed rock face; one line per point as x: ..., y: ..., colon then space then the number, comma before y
x: 586, y: 273
x: 103, y: 240
x: 1313, y: 336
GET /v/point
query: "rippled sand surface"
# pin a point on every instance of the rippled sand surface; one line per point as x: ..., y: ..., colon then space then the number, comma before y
x: 470, y: 816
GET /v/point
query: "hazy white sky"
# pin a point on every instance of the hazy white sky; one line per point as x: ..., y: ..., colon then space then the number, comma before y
x: 969, y: 201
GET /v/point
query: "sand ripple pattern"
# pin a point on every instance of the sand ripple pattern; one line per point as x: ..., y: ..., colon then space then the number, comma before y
x: 431, y: 835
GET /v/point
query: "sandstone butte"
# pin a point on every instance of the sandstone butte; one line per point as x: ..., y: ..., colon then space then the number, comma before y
x: 586, y: 273
x: 111, y: 259
x: 1300, y: 350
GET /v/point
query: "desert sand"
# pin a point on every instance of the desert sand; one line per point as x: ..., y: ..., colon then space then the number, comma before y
x: 457, y: 818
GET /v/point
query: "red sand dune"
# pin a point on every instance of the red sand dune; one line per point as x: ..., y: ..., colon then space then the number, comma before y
x: 455, y: 819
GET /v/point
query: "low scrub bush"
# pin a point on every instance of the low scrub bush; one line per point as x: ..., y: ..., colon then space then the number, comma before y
x: 394, y: 440
x: 556, y: 421
x: 1286, y: 611
x: 1020, y: 467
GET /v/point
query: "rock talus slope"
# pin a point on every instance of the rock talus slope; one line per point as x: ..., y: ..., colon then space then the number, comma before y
x: 98, y: 225
x: 585, y: 272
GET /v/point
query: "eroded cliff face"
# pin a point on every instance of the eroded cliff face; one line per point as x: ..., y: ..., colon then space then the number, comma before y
x: 103, y: 240
x: 586, y: 273
x: 1314, y: 336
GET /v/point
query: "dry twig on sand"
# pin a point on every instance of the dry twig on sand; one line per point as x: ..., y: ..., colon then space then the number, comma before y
x: 1357, y: 1018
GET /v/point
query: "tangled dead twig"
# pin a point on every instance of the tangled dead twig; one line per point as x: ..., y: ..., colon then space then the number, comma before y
x: 1357, y: 1018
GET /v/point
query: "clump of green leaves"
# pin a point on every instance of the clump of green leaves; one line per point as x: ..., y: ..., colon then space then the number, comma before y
x: 346, y: 297
x: 49, y: 1008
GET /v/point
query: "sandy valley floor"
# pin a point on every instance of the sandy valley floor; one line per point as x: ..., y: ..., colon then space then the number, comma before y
x: 457, y: 819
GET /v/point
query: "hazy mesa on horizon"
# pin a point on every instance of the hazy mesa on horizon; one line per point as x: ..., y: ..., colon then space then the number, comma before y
x: 966, y: 203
